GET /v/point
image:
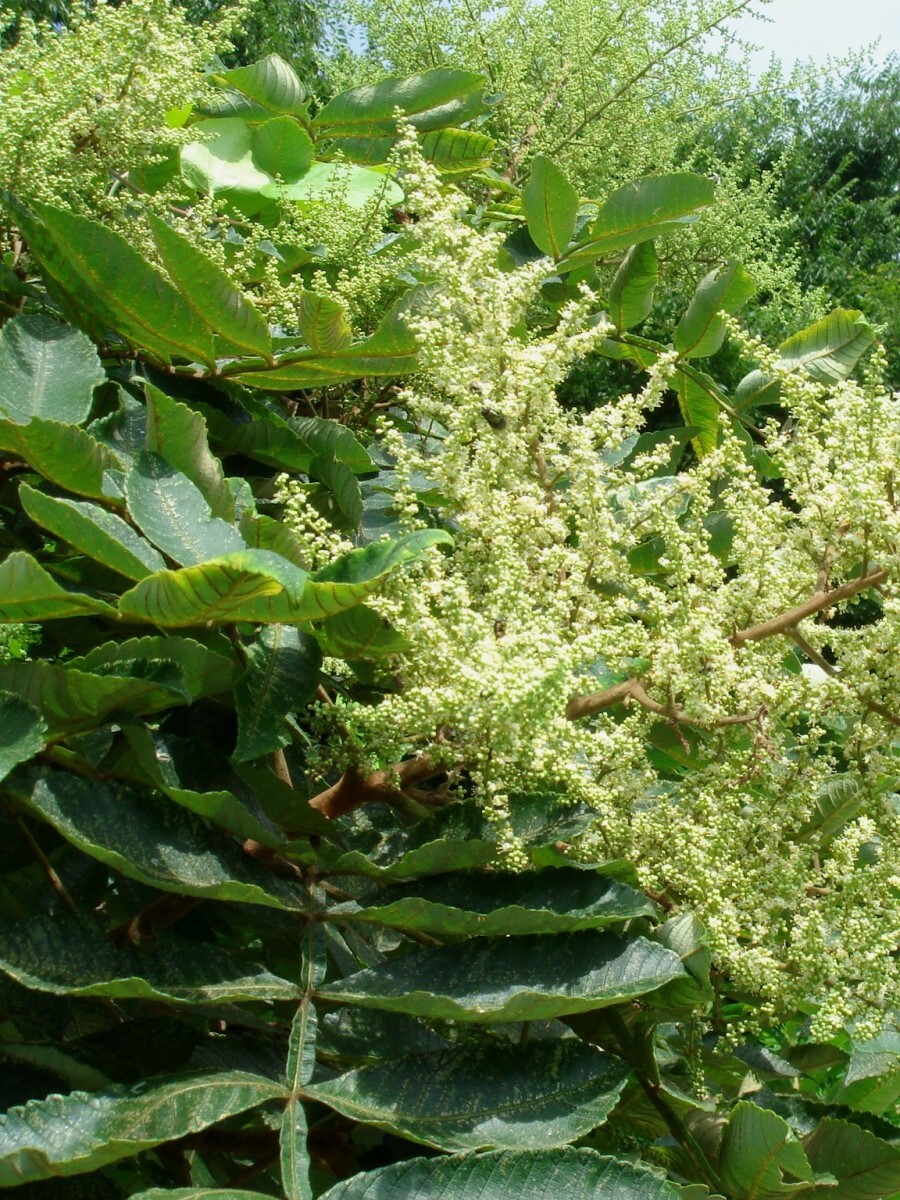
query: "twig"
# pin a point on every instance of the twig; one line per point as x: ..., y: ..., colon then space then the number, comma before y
x: 55, y: 882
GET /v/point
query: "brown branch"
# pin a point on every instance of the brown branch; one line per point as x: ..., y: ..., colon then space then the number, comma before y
x: 354, y: 789
x: 816, y: 603
x: 55, y: 882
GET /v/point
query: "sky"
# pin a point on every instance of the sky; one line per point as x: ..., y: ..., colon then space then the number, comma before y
x: 815, y: 29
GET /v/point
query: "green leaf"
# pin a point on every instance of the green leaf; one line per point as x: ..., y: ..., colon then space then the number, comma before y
x: 71, y: 699
x: 199, y: 1193
x: 222, y: 164
x: 866, y: 1167
x: 760, y: 1159
x: 507, y: 1175
x: 829, y: 349
x: 550, y: 205
x: 756, y: 389
x: 644, y: 209
x: 93, y: 531
x: 872, y: 1082
x: 366, y: 1035
x: 23, y: 732
x: 178, y: 434
x: 557, y: 900
x: 211, y: 294
x: 265, y: 533
x: 502, y: 1096
x: 270, y: 439
x: 271, y: 83
x: 29, y: 593
x: 342, y: 485
x: 157, y: 843
x: 341, y: 182
x: 429, y: 101
x: 108, y: 276
x: 353, y: 576
x: 47, y: 370
x: 249, y: 585
x: 517, y: 979
x: 174, y: 515
x: 281, y: 677
x: 697, y: 402
x: 330, y: 437
x: 453, y: 151
x: 206, y: 673
x: 68, y: 1135
x: 323, y: 323
x: 631, y: 290
x: 359, y: 633
x: 701, y: 330
x: 282, y: 148
x: 839, y: 800
x: 301, y: 1063
x: 68, y: 956
x: 64, y: 454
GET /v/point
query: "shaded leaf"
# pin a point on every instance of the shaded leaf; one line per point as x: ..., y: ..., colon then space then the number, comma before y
x: 68, y: 1135
x: 367, y: 1035
x: 22, y: 732
x: 72, y: 957
x: 205, y: 672
x: 866, y: 1167
x: 631, y: 290
x: 29, y: 593
x: 839, y: 800
x: 159, y: 844
x: 697, y: 401
x: 359, y: 633
x: 301, y: 1061
x: 516, y: 979
x: 47, y: 370
x: 760, y: 1159
x: 502, y: 1096
x: 64, y: 454
x: 872, y: 1082
x: 281, y: 677
x: 342, y: 486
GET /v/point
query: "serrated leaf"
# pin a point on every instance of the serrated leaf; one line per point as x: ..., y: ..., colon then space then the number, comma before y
x: 359, y: 633
x: 638, y: 211
x: 64, y: 454
x: 343, y: 488
x: 22, y: 732
x: 270, y: 439
x: 323, y: 323
x: 470, y: 904
x: 173, y: 513
x: 282, y: 148
x: 47, y: 370
x: 367, y: 1035
x: 71, y: 699
x: 68, y: 1135
x: 760, y: 1159
x: 516, y: 979
x: 211, y: 294
x: 178, y: 434
x: 29, y: 593
x: 159, y: 844
x: 453, y: 151
x: 355, y: 575
x: 507, y: 1175
x: 249, y: 585
x: 550, y: 205
x: 280, y: 678
x: 701, y: 330
x: 503, y: 1096
x: 301, y: 1061
x: 330, y: 437
x: 865, y: 1166
x: 697, y: 402
x: 106, y: 275
x: 68, y: 956
x: 271, y: 83
x: 839, y: 800
x: 872, y: 1082
x: 265, y: 533
x: 632, y: 287
x: 829, y: 349
x: 93, y: 531
x: 206, y: 673
x: 429, y: 101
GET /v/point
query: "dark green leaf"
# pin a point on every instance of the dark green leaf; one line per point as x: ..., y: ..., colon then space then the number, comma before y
x: 93, y: 531
x: 29, y: 593
x: 68, y: 1135
x: 64, y: 454
x: 516, y: 979
x: 156, y: 843
x: 330, y: 437
x: 507, y: 1175
x: 178, y: 434
x: 495, y: 905
x: 281, y: 677
x: 301, y: 1062
x: 265, y: 533
x: 429, y: 101
x: 343, y: 488
x: 206, y: 672
x: 701, y: 330
x: 359, y: 633
x: 47, y: 370
x: 503, y: 1096
x: 367, y: 1035
x: 174, y: 514
x: 74, y: 957
x: 760, y: 1159
x: 866, y: 1167
x: 22, y: 732
x: 839, y: 800
x: 872, y: 1082
x: 282, y: 148
x: 631, y: 290
x: 211, y: 294
x: 550, y: 205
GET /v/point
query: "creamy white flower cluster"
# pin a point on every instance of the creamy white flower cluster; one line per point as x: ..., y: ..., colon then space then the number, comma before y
x: 708, y: 772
